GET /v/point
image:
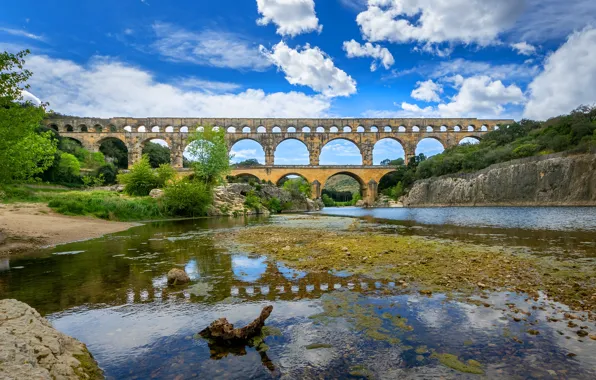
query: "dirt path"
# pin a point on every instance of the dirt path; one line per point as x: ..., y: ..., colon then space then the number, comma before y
x: 26, y: 226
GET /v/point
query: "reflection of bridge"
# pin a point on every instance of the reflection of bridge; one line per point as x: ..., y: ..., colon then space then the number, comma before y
x: 270, y: 133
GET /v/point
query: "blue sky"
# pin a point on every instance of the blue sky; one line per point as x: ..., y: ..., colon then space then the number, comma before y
x: 308, y: 58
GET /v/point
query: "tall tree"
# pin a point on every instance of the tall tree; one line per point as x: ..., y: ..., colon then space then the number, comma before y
x: 157, y: 153
x: 208, y: 153
x: 24, y: 153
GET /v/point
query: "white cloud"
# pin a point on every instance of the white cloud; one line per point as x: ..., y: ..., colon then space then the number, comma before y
x: 108, y: 88
x: 427, y: 91
x: 554, y: 19
x: 357, y: 5
x: 568, y: 79
x: 438, y: 21
x: 21, y: 33
x: 524, y: 48
x: 207, y: 85
x: 354, y: 49
x: 311, y: 67
x: 207, y: 48
x: 292, y: 17
x: 29, y: 97
x: 478, y: 96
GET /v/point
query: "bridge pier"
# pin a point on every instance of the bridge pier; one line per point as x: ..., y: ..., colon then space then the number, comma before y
x: 315, y: 190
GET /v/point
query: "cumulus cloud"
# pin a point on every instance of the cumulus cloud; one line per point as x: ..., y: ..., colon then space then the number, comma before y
x: 568, y: 79
x: 438, y: 21
x: 292, y: 17
x: 207, y: 48
x: 524, y: 48
x: 311, y: 67
x: 427, y: 91
x: 478, y: 96
x: 108, y: 88
x: 354, y: 49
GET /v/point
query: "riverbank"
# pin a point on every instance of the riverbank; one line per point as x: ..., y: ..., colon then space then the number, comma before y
x: 550, y: 180
x: 27, y: 226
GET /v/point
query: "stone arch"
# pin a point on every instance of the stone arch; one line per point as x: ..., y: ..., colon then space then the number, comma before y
x: 333, y: 129
x: 361, y: 182
x: 260, y: 154
x: 160, y: 142
x: 347, y: 129
x: 112, y: 128
x: 443, y: 128
x: 401, y: 129
x: 68, y: 128
x: 127, y: 128
x: 387, y: 129
x: 98, y: 128
x: 297, y: 152
x: 122, y: 162
x: 471, y: 128
x: 155, y: 128
x: 184, y: 129
x: 261, y: 129
x: 231, y: 130
x: 374, y: 128
x: 246, y: 130
x: 53, y: 126
x: 320, y: 130
x: 276, y: 129
x: 78, y: 141
x: 468, y: 139
x: 305, y: 129
x: 484, y: 128
x: 430, y: 148
x: 82, y: 128
x: 360, y: 129
x: 291, y: 130
x: 142, y: 129
x: 326, y: 151
x: 456, y: 128
x: 415, y: 128
x: 249, y: 176
x: 388, y: 148
x: 199, y: 129
x: 169, y: 129
x: 429, y: 128
x: 278, y: 181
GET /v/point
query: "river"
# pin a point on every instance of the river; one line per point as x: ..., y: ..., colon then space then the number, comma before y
x: 112, y: 294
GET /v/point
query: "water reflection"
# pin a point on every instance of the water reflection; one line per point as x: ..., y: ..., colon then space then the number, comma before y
x: 114, y: 297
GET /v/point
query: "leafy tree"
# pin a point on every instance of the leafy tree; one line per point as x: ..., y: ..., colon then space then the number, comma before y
x: 157, y: 153
x: 115, y: 152
x: 187, y: 198
x: 298, y: 187
x: 248, y: 163
x: 328, y: 201
x: 274, y: 205
x: 252, y: 201
x: 69, y: 167
x: 164, y: 173
x: 210, y: 159
x: 140, y: 180
x: 24, y: 153
x: 108, y: 172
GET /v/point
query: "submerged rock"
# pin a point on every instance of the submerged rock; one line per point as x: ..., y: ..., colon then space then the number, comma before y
x: 30, y: 348
x: 177, y: 276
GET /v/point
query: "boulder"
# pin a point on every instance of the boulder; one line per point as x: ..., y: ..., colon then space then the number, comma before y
x: 177, y: 276
x: 156, y: 193
x: 30, y: 348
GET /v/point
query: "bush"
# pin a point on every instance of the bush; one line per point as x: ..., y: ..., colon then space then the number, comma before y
x: 142, y: 179
x: 165, y: 173
x: 273, y: 205
x: 69, y: 168
x: 252, y: 201
x: 328, y: 201
x: 109, y: 173
x: 525, y: 150
x: 187, y: 198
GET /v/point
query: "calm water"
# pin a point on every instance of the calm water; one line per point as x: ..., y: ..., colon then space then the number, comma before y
x: 111, y: 293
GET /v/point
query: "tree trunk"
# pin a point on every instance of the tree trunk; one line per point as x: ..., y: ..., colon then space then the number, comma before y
x: 221, y: 329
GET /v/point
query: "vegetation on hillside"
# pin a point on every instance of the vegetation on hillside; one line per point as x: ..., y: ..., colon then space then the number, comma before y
x: 574, y: 133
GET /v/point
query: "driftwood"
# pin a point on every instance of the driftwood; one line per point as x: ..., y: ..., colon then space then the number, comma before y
x: 222, y: 330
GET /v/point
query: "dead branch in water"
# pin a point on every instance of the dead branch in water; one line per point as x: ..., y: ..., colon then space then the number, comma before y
x: 221, y: 329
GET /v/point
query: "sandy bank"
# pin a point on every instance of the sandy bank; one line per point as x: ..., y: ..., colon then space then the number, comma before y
x: 26, y: 226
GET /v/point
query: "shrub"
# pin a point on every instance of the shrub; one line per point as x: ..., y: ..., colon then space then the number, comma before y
x: 274, y: 205
x: 69, y: 167
x: 525, y: 150
x: 252, y: 201
x: 165, y: 173
x: 187, y: 198
x: 328, y: 201
x: 109, y: 173
x: 140, y: 180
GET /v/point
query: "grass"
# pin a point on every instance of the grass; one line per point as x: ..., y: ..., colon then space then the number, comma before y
x: 101, y: 204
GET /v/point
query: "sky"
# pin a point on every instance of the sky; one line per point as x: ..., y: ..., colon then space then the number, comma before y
x: 308, y: 58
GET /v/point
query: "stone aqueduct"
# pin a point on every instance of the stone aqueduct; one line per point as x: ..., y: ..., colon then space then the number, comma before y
x: 269, y: 133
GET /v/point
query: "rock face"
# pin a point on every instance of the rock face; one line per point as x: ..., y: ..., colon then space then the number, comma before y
x: 553, y: 180
x: 229, y: 199
x: 30, y: 348
x: 384, y: 201
x: 156, y: 193
x: 177, y: 276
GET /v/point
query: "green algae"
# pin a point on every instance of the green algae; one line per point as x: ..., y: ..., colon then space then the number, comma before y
x: 452, y: 361
x: 88, y: 368
x: 316, y: 346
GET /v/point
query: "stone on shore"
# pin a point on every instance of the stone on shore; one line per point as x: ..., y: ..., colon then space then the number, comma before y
x: 177, y: 276
x: 30, y: 348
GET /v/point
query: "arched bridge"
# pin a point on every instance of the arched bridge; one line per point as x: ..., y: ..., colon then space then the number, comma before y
x: 270, y: 133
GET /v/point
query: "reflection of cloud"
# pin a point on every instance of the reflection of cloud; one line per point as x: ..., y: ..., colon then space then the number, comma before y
x: 248, y: 269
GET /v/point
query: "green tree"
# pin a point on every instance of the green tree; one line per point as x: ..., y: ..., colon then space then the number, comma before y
x: 297, y: 187
x: 140, y: 180
x: 69, y: 167
x: 24, y: 153
x: 157, y: 153
x: 115, y: 152
x: 248, y: 163
x: 209, y: 155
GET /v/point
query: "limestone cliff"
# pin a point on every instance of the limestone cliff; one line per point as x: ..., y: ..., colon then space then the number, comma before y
x: 552, y: 180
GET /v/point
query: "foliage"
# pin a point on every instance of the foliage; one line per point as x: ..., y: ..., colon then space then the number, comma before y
x: 158, y: 154
x: 327, y: 200
x: 93, y: 181
x: 273, y: 205
x: 141, y: 179
x: 187, y: 198
x: 108, y: 172
x: 397, y: 191
x: 68, y: 167
x: 23, y: 152
x: 298, y: 187
x: 115, y: 152
x: 209, y: 154
x: 252, y: 201
x: 248, y: 163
